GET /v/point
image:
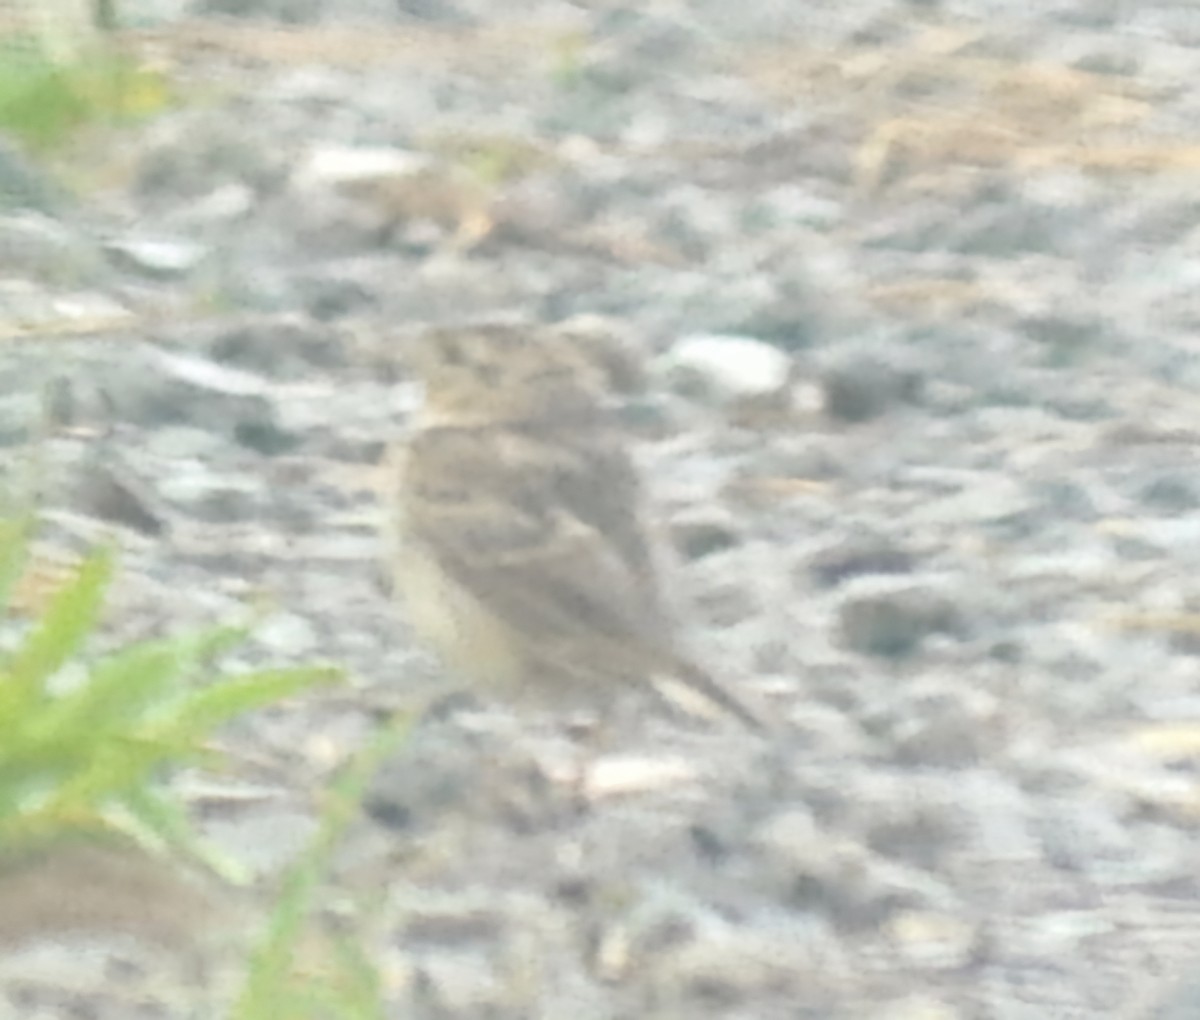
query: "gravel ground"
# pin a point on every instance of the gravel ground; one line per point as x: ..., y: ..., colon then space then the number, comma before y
x: 917, y: 285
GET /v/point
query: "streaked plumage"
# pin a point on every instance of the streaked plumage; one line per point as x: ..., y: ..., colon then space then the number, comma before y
x: 523, y: 557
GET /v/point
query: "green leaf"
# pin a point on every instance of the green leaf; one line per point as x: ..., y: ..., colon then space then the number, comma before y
x: 359, y: 990
x: 269, y: 978
x: 200, y: 713
x: 57, y: 637
x: 85, y: 756
x: 50, y: 87
x: 164, y: 820
x: 113, y: 698
x: 128, y: 685
x: 37, y: 102
x: 111, y: 772
x: 14, y: 554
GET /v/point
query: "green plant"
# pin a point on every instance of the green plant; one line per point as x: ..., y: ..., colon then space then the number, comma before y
x: 48, y: 90
x: 292, y: 975
x: 85, y: 743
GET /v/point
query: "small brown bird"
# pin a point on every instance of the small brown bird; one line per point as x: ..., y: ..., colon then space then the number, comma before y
x: 522, y: 555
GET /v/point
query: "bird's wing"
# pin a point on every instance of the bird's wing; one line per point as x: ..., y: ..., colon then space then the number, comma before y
x: 593, y: 479
x: 521, y: 536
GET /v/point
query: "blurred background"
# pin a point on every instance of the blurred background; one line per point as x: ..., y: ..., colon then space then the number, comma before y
x: 916, y: 286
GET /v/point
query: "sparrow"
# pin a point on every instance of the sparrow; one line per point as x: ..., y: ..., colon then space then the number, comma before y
x: 521, y: 547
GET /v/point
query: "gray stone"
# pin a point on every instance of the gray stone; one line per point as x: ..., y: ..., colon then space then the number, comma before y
x: 891, y: 617
x: 863, y: 382
x: 170, y: 388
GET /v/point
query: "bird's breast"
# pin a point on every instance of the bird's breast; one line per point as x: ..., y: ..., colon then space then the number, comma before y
x: 472, y: 642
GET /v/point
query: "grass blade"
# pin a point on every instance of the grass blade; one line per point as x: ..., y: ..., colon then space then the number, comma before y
x: 57, y: 637
x: 14, y: 554
x: 270, y: 974
x: 200, y: 713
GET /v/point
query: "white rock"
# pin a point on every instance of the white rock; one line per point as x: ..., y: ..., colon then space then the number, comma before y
x: 161, y: 258
x: 728, y: 369
x: 347, y: 168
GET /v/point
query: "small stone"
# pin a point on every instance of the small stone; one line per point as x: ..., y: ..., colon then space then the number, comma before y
x: 614, y: 777
x: 810, y: 870
x: 862, y: 383
x: 159, y: 259
x: 69, y: 403
x: 857, y: 556
x: 452, y: 919
x: 701, y: 533
x: 734, y: 372
x: 1173, y: 493
x: 443, y: 771
x: 277, y: 346
x: 1091, y: 832
x: 891, y: 617
x: 329, y: 294
x: 168, y: 388
x: 386, y: 187
x: 429, y: 775
x: 288, y: 635
x: 111, y: 492
x: 1184, y: 636
x: 979, y: 497
x: 1066, y: 336
x: 201, y: 493
x: 458, y: 985
x: 932, y: 939
x: 338, y: 167
x: 909, y: 821
x: 732, y: 970
x: 938, y: 724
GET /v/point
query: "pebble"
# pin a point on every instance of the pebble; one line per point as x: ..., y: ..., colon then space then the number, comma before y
x: 174, y: 389
x: 158, y: 258
x: 732, y: 372
x: 890, y: 617
x: 861, y: 383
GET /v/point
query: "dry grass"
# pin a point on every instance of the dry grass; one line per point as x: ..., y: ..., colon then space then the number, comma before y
x: 931, y: 103
x: 45, y: 574
x: 489, y: 50
x: 936, y: 105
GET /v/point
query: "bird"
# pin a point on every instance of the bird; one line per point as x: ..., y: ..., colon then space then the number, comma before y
x: 521, y: 548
